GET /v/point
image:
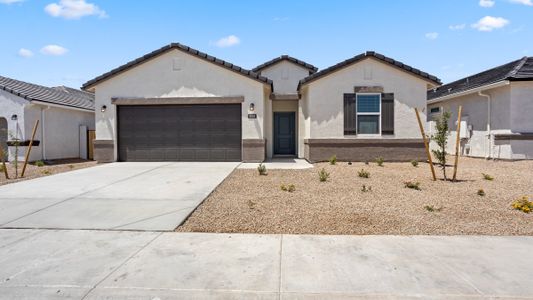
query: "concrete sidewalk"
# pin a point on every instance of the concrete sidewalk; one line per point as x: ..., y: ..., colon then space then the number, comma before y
x: 72, y: 264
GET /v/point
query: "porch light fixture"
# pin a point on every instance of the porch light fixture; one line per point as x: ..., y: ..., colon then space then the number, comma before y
x: 252, y: 107
x: 103, y: 109
x: 14, y: 117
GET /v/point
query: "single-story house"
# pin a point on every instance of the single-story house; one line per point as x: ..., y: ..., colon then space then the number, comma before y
x: 497, y: 107
x: 179, y: 104
x: 65, y: 115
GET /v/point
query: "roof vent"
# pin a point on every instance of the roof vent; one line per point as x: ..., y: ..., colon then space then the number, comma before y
x: 449, y: 90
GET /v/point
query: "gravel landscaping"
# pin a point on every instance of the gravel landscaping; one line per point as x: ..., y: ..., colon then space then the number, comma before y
x: 249, y: 203
x: 51, y: 167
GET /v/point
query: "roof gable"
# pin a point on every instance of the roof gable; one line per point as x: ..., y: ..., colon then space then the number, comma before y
x: 521, y: 69
x: 370, y: 54
x: 312, y: 69
x: 186, y: 49
x: 64, y: 96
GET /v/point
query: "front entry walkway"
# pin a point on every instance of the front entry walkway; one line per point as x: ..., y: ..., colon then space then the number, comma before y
x: 72, y: 264
x: 129, y: 196
x: 280, y: 164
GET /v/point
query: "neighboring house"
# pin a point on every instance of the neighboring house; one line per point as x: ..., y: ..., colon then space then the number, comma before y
x: 497, y: 107
x: 65, y: 114
x: 179, y: 104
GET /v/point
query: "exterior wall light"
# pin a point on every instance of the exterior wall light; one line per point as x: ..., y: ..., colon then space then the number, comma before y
x: 103, y: 109
x: 252, y: 107
x: 14, y: 117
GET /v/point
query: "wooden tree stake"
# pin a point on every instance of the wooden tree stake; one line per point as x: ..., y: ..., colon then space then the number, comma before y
x: 457, y: 143
x: 4, y: 162
x: 426, y: 145
x: 29, y: 148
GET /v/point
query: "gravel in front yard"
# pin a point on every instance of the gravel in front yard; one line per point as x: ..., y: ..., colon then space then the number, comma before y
x: 51, y: 167
x: 248, y: 203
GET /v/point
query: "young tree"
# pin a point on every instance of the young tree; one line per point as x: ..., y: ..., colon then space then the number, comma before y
x: 441, y: 138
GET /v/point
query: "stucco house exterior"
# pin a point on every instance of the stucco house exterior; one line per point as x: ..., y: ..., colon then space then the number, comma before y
x: 65, y: 115
x: 179, y: 104
x: 497, y: 106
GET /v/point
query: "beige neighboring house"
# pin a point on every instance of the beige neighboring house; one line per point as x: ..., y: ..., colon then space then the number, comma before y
x: 179, y: 104
x: 497, y: 116
x: 65, y: 115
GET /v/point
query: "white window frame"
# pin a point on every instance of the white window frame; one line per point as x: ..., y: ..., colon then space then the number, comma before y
x: 357, y: 114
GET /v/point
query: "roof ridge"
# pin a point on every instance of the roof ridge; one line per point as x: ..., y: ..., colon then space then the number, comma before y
x: 282, y: 57
x: 517, y: 68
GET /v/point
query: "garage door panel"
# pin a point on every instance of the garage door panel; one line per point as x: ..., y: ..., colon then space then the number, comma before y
x: 180, y: 133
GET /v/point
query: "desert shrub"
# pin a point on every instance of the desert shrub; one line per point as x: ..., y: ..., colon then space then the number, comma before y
x: 262, y: 169
x: 441, y: 139
x: 323, y: 175
x: 39, y: 163
x: 487, y: 177
x: 380, y: 161
x: 432, y: 208
x: 412, y: 185
x: 251, y: 204
x: 333, y: 160
x: 71, y: 166
x: 365, y: 189
x: 481, y: 192
x: 288, y: 188
x: 47, y: 172
x: 414, y: 162
x: 366, y: 162
x: 363, y: 173
x: 523, y: 204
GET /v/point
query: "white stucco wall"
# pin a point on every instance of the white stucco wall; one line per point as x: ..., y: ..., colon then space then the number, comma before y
x: 286, y: 76
x: 178, y: 74
x: 511, y: 109
x: 323, y: 98
x: 61, y: 127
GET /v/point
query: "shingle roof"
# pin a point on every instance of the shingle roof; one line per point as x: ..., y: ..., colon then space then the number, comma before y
x: 183, y: 48
x: 372, y: 54
x: 58, y: 95
x: 521, y: 69
x: 312, y: 69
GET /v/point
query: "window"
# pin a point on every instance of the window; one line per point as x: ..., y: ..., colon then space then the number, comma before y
x: 434, y: 110
x: 368, y: 114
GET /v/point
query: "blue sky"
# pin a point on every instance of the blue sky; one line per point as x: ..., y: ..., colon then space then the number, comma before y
x: 68, y: 42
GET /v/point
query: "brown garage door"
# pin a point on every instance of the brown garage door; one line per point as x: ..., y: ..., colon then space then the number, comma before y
x: 179, y: 132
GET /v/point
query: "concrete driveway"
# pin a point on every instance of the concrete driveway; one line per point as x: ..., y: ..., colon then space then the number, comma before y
x: 129, y: 196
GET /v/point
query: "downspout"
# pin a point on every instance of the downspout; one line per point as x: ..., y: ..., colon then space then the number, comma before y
x: 43, y: 130
x: 489, y: 132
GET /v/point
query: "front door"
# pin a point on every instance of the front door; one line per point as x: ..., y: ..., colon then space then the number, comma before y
x: 284, y: 133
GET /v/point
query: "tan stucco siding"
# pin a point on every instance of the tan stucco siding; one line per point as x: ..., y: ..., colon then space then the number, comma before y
x: 178, y: 74
x: 286, y: 76
x: 325, y: 98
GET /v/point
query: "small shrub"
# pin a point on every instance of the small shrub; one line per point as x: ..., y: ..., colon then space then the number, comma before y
x: 412, y: 185
x: 365, y: 189
x: 363, y: 173
x: 333, y: 160
x: 251, y: 204
x: 481, y: 192
x: 487, y: 177
x: 414, y: 163
x: 262, y: 169
x: 47, y: 172
x: 523, y: 204
x: 71, y: 166
x: 323, y: 175
x: 431, y: 208
x: 380, y: 161
x: 39, y: 163
x: 288, y: 188
x: 366, y: 162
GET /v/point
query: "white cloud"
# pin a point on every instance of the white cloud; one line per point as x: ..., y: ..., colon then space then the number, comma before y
x: 457, y: 27
x: 74, y: 9
x: 432, y: 35
x: 487, y: 3
x: 54, y: 50
x: 489, y: 23
x: 228, y: 41
x: 10, y: 1
x: 25, y: 52
x: 524, y: 2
